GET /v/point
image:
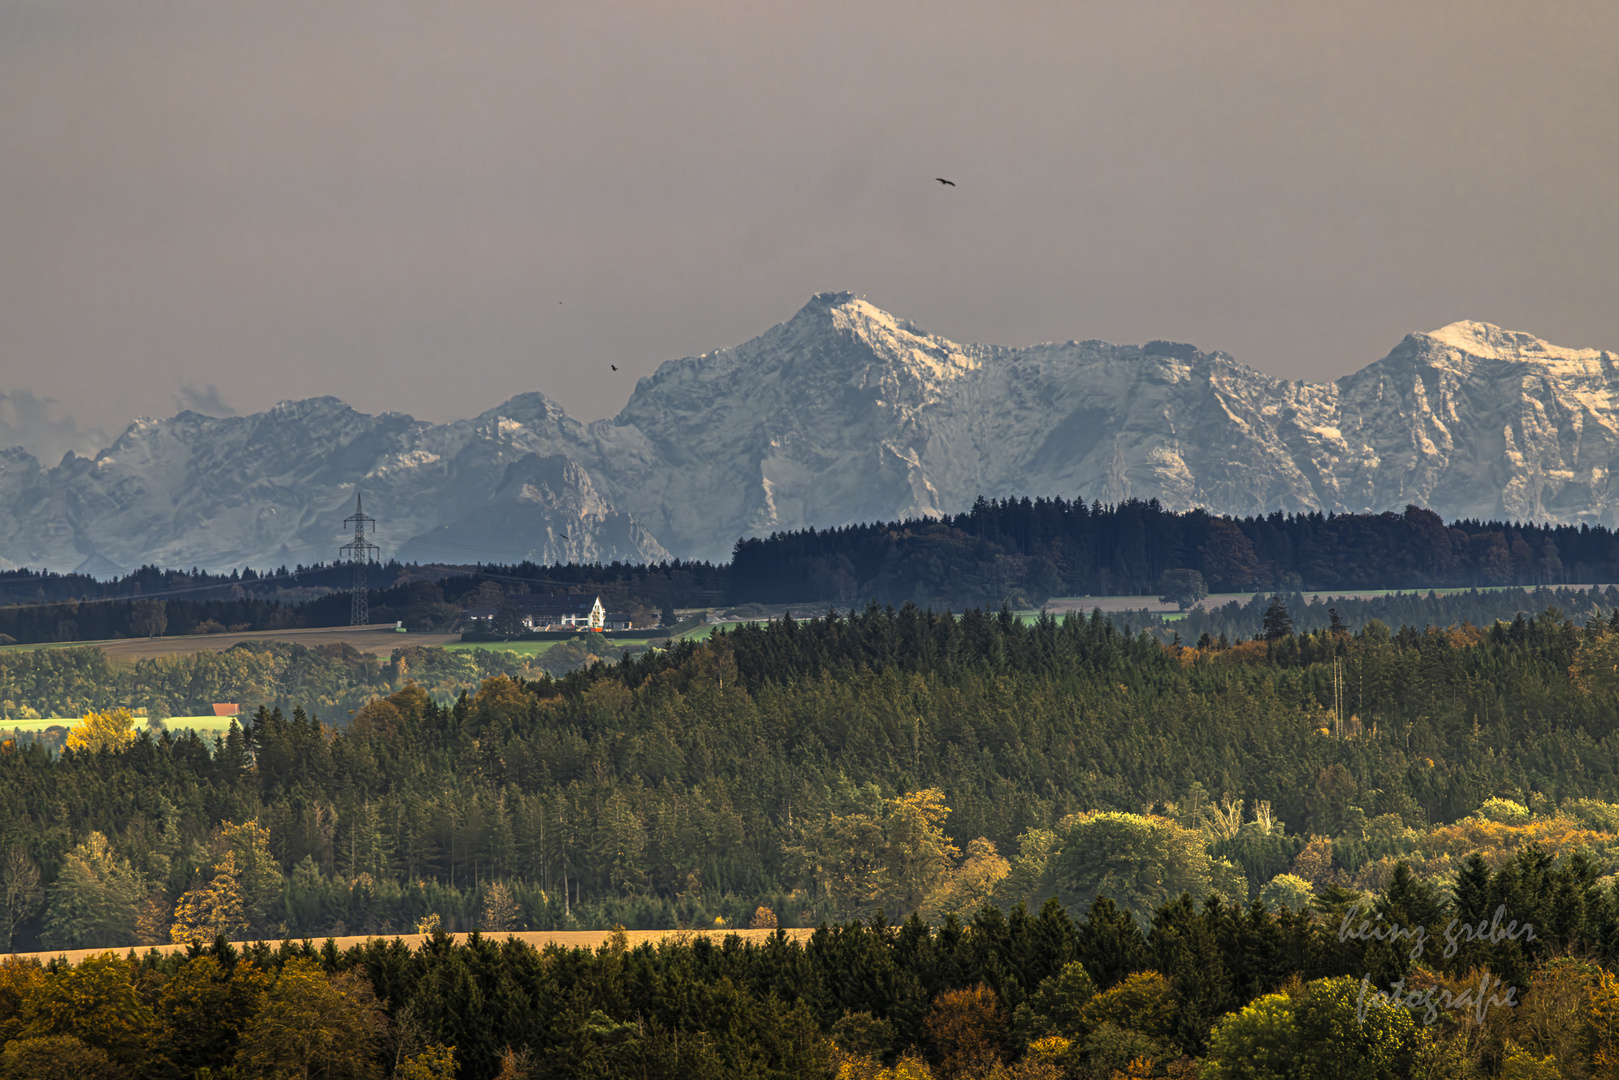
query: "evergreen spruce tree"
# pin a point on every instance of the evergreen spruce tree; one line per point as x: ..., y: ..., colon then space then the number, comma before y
x: 1278, y: 623
x: 1110, y: 945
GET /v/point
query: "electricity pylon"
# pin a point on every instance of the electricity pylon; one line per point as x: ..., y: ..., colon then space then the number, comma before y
x: 359, y: 552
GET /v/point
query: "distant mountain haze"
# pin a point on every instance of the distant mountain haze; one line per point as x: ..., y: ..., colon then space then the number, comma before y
x: 843, y: 413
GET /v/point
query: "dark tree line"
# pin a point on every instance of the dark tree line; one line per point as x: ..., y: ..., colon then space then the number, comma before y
x: 152, y: 603
x: 1026, y: 550
x: 1236, y: 620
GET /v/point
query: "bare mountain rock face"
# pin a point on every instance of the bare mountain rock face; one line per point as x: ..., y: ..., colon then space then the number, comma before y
x: 545, y: 511
x: 843, y: 413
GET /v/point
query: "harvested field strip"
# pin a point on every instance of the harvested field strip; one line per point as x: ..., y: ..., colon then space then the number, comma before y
x: 567, y: 939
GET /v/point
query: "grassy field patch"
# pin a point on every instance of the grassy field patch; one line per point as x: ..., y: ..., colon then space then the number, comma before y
x: 540, y: 648
x: 706, y: 631
x: 521, y: 648
x: 202, y: 725
x: 32, y: 645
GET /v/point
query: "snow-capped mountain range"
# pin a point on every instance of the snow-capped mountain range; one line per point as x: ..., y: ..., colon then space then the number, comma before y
x: 843, y: 413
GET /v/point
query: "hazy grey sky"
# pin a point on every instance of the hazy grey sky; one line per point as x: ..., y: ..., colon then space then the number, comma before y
x: 429, y: 207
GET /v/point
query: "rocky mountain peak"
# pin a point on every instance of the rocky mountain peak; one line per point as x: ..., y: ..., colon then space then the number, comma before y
x: 878, y: 335
x: 530, y: 407
x: 1490, y: 342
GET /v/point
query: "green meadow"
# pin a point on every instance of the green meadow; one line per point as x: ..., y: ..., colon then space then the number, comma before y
x: 202, y: 725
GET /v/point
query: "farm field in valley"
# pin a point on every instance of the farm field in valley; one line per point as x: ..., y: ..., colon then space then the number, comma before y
x: 540, y: 648
x: 539, y: 939
x: 379, y: 640
x: 206, y: 726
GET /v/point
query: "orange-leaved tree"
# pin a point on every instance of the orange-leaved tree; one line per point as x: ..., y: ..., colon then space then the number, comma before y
x: 967, y: 1031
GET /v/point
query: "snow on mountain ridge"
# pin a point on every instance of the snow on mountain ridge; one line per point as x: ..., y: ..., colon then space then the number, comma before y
x: 844, y: 413
x: 1490, y: 342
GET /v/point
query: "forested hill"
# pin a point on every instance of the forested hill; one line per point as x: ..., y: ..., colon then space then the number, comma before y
x: 778, y: 764
x: 333, y: 680
x: 889, y: 761
x: 1026, y: 550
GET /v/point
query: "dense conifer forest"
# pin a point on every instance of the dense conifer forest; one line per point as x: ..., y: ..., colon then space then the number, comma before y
x: 332, y: 680
x: 1027, y: 550
x: 1038, y: 850
x: 1481, y: 607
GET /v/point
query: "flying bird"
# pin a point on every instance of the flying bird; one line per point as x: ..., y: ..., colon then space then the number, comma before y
x: 613, y: 366
x: 942, y: 180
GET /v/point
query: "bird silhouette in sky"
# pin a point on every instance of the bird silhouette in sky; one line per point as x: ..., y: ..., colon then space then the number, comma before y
x: 613, y: 366
x: 942, y: 180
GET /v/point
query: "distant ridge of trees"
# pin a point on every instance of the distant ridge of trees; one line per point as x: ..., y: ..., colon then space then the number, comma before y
x: 1026, y: 550
x: 42, y: 606
x: 1017, y: 551
x: 26, y: 586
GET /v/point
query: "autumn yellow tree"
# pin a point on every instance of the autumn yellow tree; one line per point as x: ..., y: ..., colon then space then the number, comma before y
x: 110, y: 730
x: 842, y: 858
x: 257, y: 872
x: 899, y: 859
x: 57, y: 1057
x: 1602, y: 1023
x: 1555, y: 1017
x: 912, y: 1066
x: 211, y: 910
x: 436, y: 1062
x: 20, y: 983
x: 1144, y: 1002
x: 970, y: 884
x: 312, y: 1026
x: 153, y: 920
x: 96, y: 1002
x: 501, y: 915
x: 918, y: 856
